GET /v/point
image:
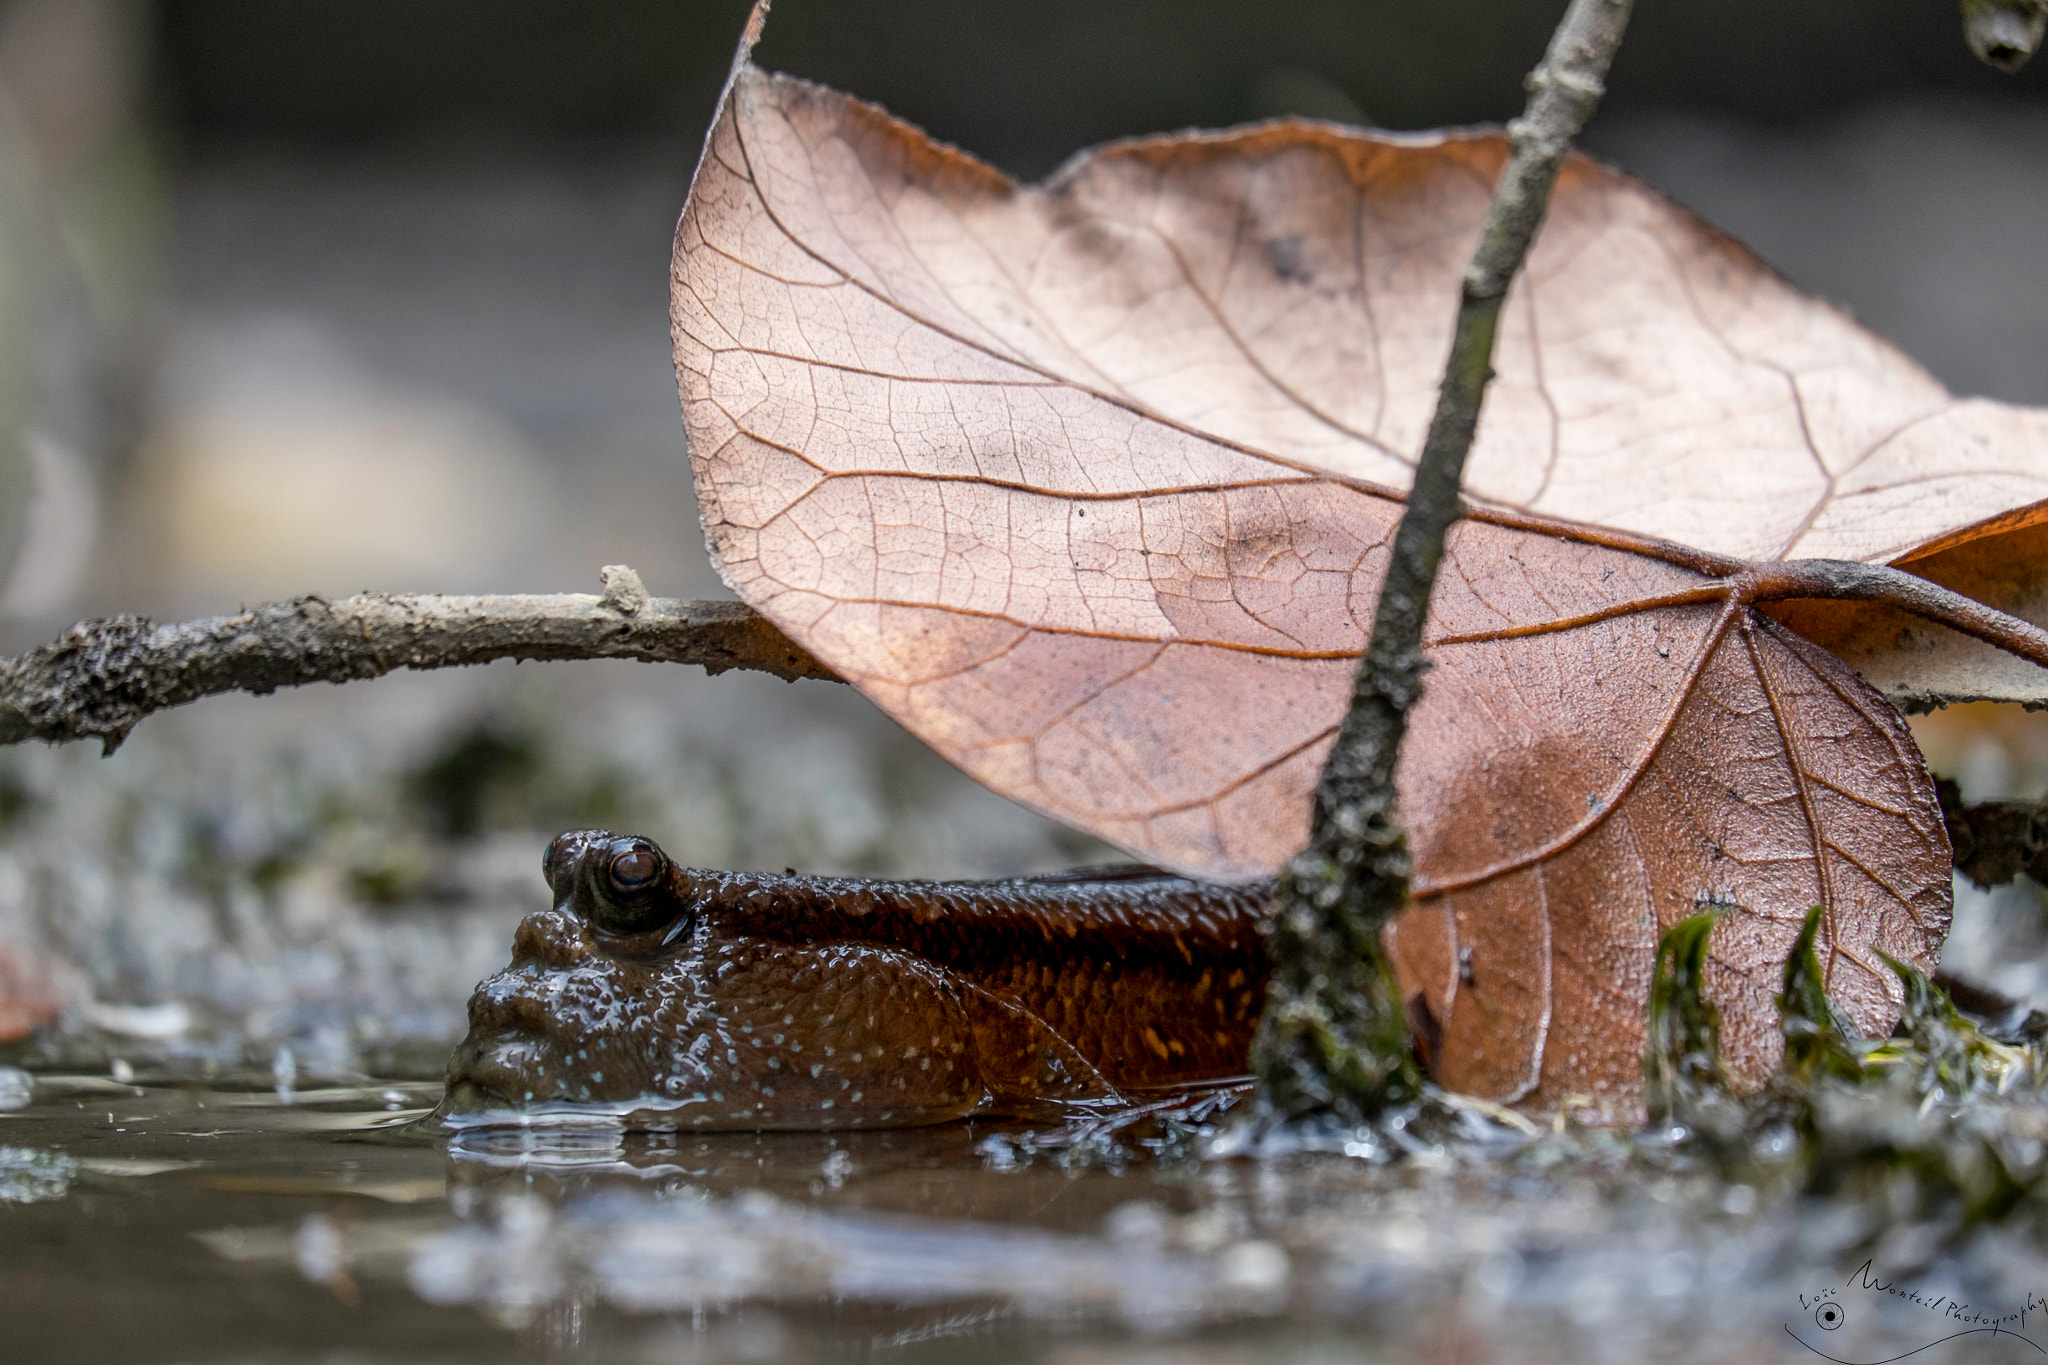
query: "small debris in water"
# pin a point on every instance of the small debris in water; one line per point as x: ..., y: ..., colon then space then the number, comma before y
x: 29, y: 1176
x: 320, y: 1251
x: 17, y: 1088
x: 152, y: 1022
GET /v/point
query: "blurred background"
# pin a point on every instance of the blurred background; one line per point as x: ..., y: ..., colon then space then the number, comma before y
x: 330, y: 296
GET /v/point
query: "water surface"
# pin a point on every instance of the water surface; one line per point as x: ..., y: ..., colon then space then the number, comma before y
x: 160, y: 1220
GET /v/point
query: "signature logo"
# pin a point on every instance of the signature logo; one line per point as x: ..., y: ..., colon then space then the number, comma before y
x: 1819, y: 1324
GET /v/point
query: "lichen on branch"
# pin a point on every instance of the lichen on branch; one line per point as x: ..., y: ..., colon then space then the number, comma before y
x: 100, y: 678
x: 1334, y: 1039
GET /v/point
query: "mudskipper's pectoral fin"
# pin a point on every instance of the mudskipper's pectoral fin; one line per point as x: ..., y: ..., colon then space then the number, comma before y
x: 1025, y: 1063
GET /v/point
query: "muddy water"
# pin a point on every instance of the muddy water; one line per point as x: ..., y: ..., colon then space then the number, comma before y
x: 160, y: 1221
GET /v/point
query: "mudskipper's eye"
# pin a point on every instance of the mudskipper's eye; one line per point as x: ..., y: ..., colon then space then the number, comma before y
x: 634, y: 870
x: 630, y: 893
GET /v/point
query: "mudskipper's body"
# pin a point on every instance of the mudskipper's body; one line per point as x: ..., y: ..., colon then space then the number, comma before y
x: 680, y: 998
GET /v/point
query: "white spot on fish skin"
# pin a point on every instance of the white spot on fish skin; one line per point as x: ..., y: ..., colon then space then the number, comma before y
x: 777, y: 1040
x: 855, y: 1099
x: 925, y: 1065
x: 775, y: 1064
x: 815, y: 1069
x: 789, y: 1019
x: 856, y: 1056
x: 825, y: 1104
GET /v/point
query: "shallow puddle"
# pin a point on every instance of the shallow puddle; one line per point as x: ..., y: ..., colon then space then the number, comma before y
x: 159, y: 1221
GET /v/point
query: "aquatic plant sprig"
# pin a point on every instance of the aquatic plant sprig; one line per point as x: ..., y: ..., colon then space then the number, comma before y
x: 1939, y: 1124
x: 1682, y: 1061
x: 1947, y: 1055
x: 1820, y: 1042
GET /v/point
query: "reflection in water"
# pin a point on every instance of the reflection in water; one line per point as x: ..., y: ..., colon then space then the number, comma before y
x: 693, y: 1252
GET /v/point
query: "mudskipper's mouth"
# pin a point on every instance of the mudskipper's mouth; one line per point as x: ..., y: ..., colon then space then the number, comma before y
x: 505, y: 1071
x: 529, y: 1043
x: 464, y: 1098
x: 546, y: 1035
x: 514, y: 1080
x: 518, y: 1082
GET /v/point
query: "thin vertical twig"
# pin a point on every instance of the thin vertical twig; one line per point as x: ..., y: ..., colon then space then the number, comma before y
x: 1334, y: 1038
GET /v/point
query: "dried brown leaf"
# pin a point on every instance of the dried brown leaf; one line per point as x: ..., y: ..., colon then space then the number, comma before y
x: 1090, y: 485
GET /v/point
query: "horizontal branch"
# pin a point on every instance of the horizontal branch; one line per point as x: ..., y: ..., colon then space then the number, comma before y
x: 1842, y: 580
x: 102, y: 677
x: 1995, y: 841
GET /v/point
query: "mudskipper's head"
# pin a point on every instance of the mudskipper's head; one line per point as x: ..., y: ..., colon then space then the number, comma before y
x: 671, y: 998
x: 573, y: 1019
